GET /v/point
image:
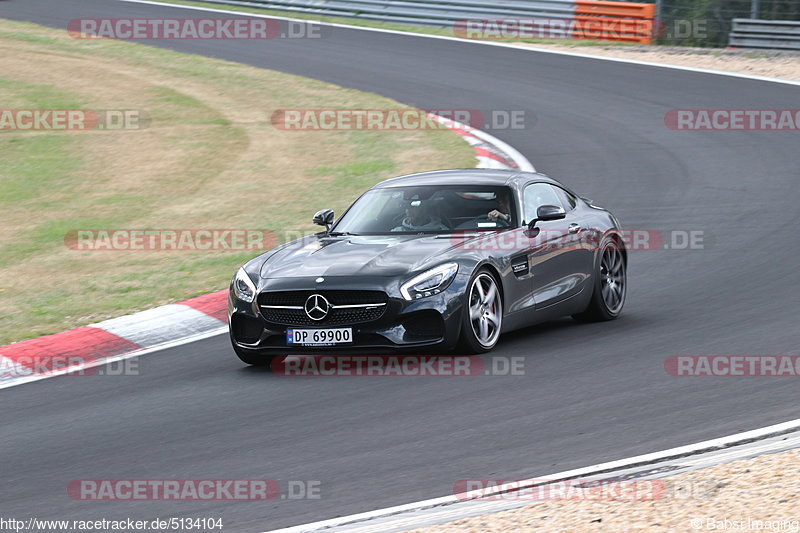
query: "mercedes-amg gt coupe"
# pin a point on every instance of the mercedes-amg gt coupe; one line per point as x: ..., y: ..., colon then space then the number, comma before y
x: 435, y: 260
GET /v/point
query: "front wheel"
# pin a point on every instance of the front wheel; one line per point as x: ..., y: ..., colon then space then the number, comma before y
x: 483, y: 315
x: 610, y: 285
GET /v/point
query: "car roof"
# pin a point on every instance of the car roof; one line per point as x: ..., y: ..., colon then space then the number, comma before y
x: 464, y: 176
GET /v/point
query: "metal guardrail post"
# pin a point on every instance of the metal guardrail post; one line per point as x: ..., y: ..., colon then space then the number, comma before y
x: 755, y: 6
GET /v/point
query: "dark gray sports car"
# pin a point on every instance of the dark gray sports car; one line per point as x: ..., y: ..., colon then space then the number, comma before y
x: 437, y: 259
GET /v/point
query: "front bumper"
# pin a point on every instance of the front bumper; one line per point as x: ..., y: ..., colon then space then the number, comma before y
x: 429, y: 322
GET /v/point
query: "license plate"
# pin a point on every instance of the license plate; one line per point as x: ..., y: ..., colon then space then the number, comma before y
x: 319, y: 337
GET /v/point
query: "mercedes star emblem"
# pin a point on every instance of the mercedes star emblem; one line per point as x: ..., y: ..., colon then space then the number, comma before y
x: 317, y: 307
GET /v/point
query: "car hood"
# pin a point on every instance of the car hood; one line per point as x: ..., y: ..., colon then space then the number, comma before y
x: 390, y: 255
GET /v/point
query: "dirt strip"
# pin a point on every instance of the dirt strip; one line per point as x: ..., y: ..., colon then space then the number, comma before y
x: 759, y: 494
x: 770, y: 63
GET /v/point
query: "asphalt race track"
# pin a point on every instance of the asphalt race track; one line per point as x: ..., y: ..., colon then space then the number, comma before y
x: 591, y: 393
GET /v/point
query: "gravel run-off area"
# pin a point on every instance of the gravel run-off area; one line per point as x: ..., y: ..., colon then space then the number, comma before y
x: 759, y: 494
x: 769, y: 63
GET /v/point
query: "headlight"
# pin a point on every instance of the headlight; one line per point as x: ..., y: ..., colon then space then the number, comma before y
x: 243, y: 286
x: 430, y: 282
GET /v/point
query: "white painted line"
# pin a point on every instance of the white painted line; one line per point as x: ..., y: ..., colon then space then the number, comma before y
x: 159, y: 325
x: 471, y: 41
x: 521, y: 161
x: 639, y: 460
x: 491, y: 164
x: 164, y: 346
x: 509, y: 151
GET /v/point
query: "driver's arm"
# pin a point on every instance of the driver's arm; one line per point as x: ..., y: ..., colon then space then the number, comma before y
x: 494, y: 214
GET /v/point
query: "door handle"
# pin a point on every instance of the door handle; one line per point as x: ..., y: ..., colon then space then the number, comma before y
x: 574, y: 228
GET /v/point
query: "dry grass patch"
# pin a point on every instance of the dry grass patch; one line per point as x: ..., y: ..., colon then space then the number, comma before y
x: 209, y: 159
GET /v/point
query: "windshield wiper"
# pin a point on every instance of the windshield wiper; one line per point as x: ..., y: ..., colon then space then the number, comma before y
x: 342, y: 234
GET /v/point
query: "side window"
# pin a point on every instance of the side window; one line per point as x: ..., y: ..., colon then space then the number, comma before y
x: 568, y: 201
x: 538, y: 194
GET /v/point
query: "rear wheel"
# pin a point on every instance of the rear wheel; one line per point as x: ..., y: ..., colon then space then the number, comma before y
x: 483, y: 315
x: 610, y: 285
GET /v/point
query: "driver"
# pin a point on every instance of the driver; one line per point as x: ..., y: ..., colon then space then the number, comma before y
x: 418, y: 218
x: 503, y: 210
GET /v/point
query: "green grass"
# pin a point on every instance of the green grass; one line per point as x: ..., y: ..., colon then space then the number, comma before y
x: 210, y: 159
x: 28, y: 167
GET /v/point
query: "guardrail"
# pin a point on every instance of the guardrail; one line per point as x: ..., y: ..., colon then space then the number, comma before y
x: 582, y: 19
x: 418, y: 12
x: 776, y: 34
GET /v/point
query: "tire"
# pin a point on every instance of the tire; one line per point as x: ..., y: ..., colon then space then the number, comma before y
x: 483, y: 313
x: 610, y: 284
x: 253, y: 358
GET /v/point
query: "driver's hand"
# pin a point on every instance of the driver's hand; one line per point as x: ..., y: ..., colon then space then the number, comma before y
x: 494, y: 214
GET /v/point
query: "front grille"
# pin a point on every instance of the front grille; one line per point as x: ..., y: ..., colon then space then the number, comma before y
x: 337, y: 316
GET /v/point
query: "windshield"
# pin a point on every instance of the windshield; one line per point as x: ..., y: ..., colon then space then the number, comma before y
x: 429, y: 209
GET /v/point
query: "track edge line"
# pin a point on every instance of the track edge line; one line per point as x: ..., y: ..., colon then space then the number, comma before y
x: 699, y: 448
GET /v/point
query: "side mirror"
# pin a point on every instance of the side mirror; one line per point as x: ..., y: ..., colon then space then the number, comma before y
x: 324, y: 218
x: 547, y: 212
